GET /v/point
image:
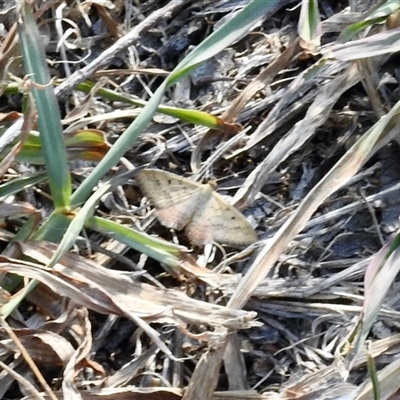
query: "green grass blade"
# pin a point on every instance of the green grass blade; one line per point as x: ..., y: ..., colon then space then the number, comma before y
x: 18, y: 184
x: 227, y: 34
x: 49, y: 118
x: 157, y: 249
x: 373, y: 375
x: 190, y: 116
x: 378, y: 16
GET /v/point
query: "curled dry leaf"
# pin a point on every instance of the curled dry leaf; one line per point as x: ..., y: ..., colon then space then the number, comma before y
x: 46, y: 348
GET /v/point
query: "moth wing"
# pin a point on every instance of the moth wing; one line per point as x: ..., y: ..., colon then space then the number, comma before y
x: 220, y: 222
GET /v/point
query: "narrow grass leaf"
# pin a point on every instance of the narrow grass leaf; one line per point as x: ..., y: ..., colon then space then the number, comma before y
x: 389, y: 383
x: 191, y: 116
x: 157, y: 249
x: 49, y: 119
x: 377, y: 16
x: 230, y: 32
x: 373, y: 376
x: 87, y: 144
x: 16, y: 185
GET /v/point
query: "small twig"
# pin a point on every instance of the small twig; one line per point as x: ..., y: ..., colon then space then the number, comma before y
x: 373, y: 215
x: 28, y: 359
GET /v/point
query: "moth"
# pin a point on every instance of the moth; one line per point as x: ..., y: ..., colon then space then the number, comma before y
x: 204, y: 214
